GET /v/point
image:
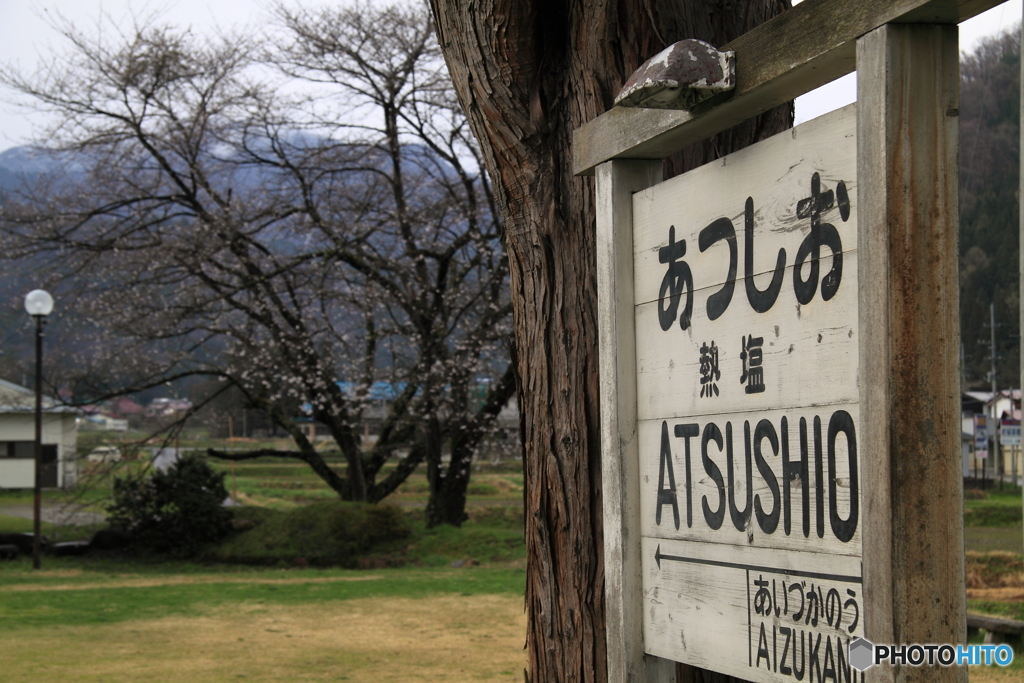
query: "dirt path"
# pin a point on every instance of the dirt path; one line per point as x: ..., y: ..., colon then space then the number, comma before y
x: 54, y: 514
x: 996, y: 594
x: 145, y: 582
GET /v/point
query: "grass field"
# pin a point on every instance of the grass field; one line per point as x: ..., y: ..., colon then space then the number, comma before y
x: 127, y: 619
x: 286, y: 484
x: 94, y: 621
x: 996, y: 507
x: 992, y: 520
x: 124, y: 619
x: 445, y: 638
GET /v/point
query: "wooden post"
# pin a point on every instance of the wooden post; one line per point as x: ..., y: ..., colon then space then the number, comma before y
x: 907, y: 93
x: 620, y: 471
x: 1020, y: 203
x: 1013, y: 467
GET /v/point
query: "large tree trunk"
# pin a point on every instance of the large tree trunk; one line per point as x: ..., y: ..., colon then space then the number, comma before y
x: 528, y: 73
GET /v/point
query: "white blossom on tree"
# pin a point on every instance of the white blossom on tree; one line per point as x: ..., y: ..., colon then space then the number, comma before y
x: 305, y: 245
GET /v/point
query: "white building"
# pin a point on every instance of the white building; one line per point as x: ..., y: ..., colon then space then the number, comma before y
x: 17, y: 440
x: 1003, y: 405
x: 101, y: 422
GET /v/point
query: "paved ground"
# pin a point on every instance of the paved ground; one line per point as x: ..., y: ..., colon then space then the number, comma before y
x: 54, y: 514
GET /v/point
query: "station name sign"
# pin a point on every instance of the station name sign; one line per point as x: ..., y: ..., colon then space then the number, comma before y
x: 745, y: 281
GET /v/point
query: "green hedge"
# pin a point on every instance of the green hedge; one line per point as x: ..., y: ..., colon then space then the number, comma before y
x: 331, y: 533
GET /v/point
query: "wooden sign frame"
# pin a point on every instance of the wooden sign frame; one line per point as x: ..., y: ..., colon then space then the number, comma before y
x: 907, y: 58
x: 748, y: 406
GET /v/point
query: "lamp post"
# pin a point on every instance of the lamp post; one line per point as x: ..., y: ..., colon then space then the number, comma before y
x: 38, y: 304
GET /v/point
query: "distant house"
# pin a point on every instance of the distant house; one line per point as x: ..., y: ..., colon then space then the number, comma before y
x: 377, y: 400
x: 102, y: 422
x: 1006, y: 405
x: 167, y: 407
x: 17, y: 440
x: 972, y: 403
x: 378, y: 397
x: 122, y: 406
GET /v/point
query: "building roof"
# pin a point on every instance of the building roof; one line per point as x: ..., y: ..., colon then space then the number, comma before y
x: 122, y: 406
x: 1007, y: 393
x: 6, y: 386
x: 15, y: 398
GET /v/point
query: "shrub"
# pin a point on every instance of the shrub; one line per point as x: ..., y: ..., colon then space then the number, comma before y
x: 177, y: 511
x: 329, y: 533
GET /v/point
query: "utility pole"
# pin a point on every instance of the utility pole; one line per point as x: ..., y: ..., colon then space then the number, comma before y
x: 963, y: 368
x: 997, y: 460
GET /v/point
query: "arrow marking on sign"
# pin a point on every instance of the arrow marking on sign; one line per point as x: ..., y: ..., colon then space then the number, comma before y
x: 659, y: 556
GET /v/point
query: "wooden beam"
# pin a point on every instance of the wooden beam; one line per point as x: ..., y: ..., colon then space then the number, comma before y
x: 998, y: 624
x: 908, y: 94
x: 787, y: 56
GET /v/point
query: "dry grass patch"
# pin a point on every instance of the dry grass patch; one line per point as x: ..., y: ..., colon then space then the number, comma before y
x: 996, y: 569
x: 380, y: 640
x: 994, y: 674
x: 996, y: 594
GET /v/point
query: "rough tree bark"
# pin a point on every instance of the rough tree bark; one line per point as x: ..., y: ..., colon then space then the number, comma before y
x: 529, y: 72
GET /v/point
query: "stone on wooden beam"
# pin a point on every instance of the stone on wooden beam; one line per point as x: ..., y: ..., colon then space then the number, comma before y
x: 679, y: 77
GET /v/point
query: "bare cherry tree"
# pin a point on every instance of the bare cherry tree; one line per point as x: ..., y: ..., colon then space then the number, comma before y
x: 310, y: 246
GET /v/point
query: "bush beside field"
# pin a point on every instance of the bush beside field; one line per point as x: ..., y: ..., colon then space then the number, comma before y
x: 332, y: 533
x: 352, y: 535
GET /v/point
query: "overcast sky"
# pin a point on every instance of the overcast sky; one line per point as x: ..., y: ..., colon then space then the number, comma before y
x: 840, y: 93
x: 25, y: 35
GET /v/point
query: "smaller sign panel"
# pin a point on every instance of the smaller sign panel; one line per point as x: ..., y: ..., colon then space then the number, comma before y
x: 790, y: 620
x: 980, y: 437
x: 1009, y: 433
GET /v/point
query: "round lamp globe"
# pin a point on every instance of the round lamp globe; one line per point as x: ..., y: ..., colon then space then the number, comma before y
x: 38, y: 302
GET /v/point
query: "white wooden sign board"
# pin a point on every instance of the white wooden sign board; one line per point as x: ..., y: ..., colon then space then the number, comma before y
x: 747, y: 385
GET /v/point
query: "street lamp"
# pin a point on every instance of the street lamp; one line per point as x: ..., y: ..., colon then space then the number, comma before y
x: 38, y: 304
